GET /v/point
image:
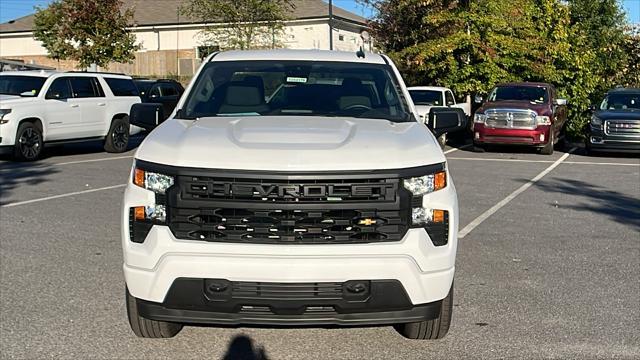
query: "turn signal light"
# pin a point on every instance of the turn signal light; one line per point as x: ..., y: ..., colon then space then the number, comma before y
x: 138, y: 177
x: 438, y: 216
x: 440, y: 180
x: 139, y: 213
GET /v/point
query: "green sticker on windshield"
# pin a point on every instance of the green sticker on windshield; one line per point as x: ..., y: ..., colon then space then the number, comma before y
x: 291, y: 79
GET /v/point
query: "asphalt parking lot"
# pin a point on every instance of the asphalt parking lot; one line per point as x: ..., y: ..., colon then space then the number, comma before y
x: 548, y: 266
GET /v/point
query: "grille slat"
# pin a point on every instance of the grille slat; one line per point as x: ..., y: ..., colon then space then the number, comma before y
x: 511, y: 118
x: 262, y: 211
x: 627, y: 128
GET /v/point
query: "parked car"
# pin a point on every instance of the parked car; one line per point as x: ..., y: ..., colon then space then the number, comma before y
x: 329, y: 204
x: 615, y: 123
x: 427, y: 97
x: 529, y: 114
x: 163, y: 91
x: 39, y: 108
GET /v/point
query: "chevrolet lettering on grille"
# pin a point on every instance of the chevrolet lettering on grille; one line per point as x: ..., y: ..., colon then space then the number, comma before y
x: 292, y: 192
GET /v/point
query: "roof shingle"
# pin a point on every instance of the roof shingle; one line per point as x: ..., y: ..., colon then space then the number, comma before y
x: 165, y: 12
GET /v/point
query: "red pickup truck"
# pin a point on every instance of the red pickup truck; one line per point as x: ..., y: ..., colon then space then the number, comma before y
x: 520, y: 114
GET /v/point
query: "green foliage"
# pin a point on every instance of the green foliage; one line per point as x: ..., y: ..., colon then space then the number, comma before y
x: 470, y: 46
x: 247, y: 24
x: 88, y: 31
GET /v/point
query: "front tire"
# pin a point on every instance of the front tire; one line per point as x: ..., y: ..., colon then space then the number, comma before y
x: 548, y: 148
x: 118, y: 136
x: 146, y: 328
x: 29, y: 142
x: 430, y: 329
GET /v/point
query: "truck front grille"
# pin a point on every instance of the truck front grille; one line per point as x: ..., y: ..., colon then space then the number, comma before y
x: 627, y: 128
x: 273, y: 226
x: 511, y: 118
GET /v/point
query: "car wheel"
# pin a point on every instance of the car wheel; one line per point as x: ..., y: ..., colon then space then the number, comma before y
x: 479, y: 148
x: 29, y: 142
x: 548, y: 148
x: 431, y: 329
x: 146, y: 328
x: 118, y: 136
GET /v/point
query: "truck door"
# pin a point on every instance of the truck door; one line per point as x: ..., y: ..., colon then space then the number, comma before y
x: 60, y: 110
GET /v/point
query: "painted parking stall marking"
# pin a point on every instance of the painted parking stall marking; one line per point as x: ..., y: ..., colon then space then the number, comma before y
x: 484, y: 216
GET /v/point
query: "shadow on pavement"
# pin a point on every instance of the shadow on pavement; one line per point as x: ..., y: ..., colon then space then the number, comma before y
x: 11, y: 178
x: 242, y: 348
x: 80, y: 148
x: 617, y: 206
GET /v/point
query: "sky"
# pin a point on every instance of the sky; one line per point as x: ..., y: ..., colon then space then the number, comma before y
x: 13, y: 9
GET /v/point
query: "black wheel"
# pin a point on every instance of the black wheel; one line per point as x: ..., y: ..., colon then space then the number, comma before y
x: 479, y: 148
x: 146, y: 328
x: 548, y: 148
x: 430, y: 329
x: 29, y: 142
x: 118, y: 136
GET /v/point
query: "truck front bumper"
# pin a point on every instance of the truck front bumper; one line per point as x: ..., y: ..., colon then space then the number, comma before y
x: 507, y: 136
x: 202, y: 301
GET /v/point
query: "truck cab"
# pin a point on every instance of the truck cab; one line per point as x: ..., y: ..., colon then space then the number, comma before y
x: 529, y: 114
x: 290, y: 187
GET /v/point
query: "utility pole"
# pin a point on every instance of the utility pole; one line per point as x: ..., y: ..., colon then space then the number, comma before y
x: 330, y: 24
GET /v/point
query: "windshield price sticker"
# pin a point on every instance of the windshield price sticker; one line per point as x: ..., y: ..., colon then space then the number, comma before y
x: 291, y: 79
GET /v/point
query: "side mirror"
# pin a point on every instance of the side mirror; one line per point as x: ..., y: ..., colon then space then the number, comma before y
x: 147, y: 115
x: 478, y: 99
x: 444, y: 120
x: 560, y: 102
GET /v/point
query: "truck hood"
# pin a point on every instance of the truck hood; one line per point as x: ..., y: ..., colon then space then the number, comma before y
x: 540, y: 109
x: 424, y: 109
x: 288, y: 143
x: 629, y: 114
x: 6, y: 100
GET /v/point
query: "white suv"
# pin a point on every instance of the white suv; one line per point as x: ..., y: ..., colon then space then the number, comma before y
x: 40, y: 107
x: 291, y: 188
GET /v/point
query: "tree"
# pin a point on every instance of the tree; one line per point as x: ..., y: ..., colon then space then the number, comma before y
x: 241, y: 24
x: 87, y: 31
x: 630, y: 74
x: 470, y: 46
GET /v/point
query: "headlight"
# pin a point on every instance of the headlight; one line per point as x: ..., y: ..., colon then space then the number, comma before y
x: 596, y: 120
x: 158, y: 183
x: 480, y: 118
x: 426, y: 184
x: 543, y: 120
x: 3, y: 113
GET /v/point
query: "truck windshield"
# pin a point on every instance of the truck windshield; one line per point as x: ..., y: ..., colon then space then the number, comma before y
x: 519, y: 93
x: 626, y: 101
x: 18, y: 84
x: 296, y: 88
x: 426, y: 97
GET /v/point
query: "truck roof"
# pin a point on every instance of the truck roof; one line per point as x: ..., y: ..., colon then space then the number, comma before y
x: 431, y: 88
x: 526, y: 83
x: 304, y: 55
x: 49, y: 73
x: 624, y: 90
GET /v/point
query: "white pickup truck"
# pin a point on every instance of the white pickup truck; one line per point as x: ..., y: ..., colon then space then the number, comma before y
x: 427, y: 97
x: 39, y: 108
x: 291, y: 187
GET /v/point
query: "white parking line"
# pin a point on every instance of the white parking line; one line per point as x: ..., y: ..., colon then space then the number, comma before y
x: 599, y: 163
x: 61, y: 196
x: 456, y: 149
x: 485, y: 215
x: 68, y: 162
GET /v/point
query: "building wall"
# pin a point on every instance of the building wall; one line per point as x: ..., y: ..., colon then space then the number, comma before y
x: 158, y: 54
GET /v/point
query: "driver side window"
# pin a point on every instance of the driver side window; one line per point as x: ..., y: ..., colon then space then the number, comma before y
x: 59, y: 89
x: 449, y: 98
